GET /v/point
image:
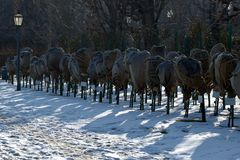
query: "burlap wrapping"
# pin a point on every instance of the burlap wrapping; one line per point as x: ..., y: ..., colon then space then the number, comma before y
x: 119, y: 74
x: 11, y: 65
x: 217, y: 48
x: 151, y: 74
x: 53, y: 57
x: 189, y: 72
x: 167, y: 76
x: 63, y: 65
x: 83, y: 57
x: 172, y: 55
x: 137, y: 68
x: 225, y: 64
x: 235, y: 79
x: 158, y: 50
x: 202, y: 56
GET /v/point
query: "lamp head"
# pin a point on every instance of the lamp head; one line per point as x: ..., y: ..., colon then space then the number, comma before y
x: 18, y: 19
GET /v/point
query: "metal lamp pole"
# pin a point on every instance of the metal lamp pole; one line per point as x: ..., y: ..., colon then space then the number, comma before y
x: 18, y: 59
x: 18, y: 18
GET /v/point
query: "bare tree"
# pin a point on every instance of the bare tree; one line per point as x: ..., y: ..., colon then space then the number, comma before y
x: 148, y: 12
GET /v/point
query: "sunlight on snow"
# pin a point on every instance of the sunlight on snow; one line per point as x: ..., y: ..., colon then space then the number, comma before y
x: 39, y: 98
x: 17, y: 100
x: 53, y: 99
x: 144, y: 122
x: 141, y: 114
x: 85, y: 108
x: 191, y: 142
x: 66, y: 105
x: 123, y: 122
x: 113, y: 155
x: 103, y: 114
x: 19, y: 105
x: 219, y: 120
x: 43, y: 106
x: 157, y: 129
x: 165, y: 124
x: 123, y: 112
x: 82, y: 123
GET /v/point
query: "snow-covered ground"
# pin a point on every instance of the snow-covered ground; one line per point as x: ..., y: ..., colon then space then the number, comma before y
x: 40, y: 125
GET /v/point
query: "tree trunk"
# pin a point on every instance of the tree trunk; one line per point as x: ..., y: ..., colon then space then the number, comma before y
x: 150, y: 27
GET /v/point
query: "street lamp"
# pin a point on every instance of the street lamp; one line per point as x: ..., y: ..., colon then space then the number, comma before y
x: 18, y: 18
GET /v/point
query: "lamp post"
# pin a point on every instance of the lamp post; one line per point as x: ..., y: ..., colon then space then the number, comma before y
x: 18, y: 18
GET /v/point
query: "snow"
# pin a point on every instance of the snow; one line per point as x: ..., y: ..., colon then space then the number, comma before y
x: 39, y: 125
